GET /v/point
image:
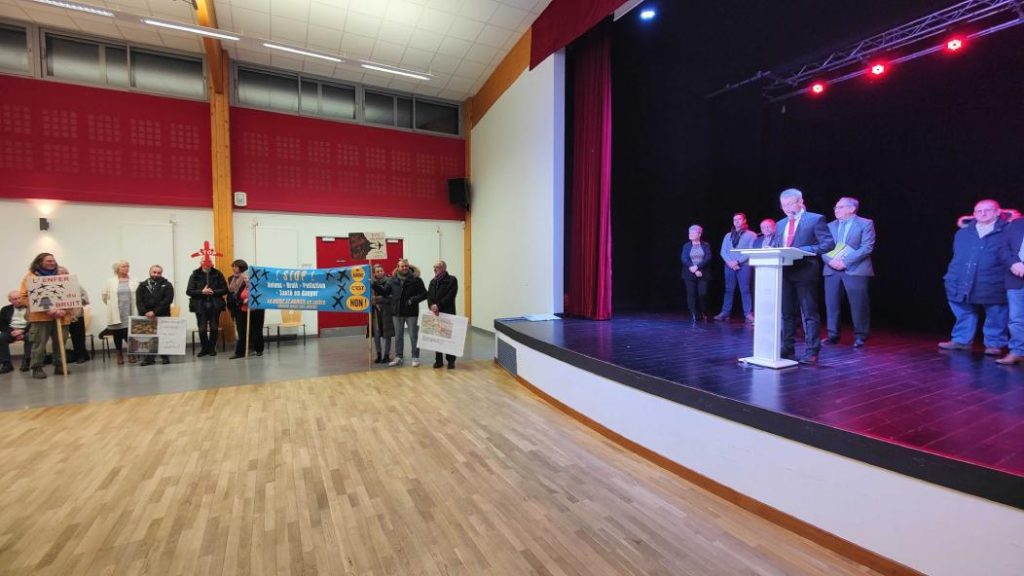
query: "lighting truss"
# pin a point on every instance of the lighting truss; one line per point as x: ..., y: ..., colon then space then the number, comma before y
x: 851, y: 61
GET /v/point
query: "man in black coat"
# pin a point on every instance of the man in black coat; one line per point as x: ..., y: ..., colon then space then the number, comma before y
x: 13, y: 328
x: 153, y: 299
x: 441, y: 298
x: 206, y: 290
x: 407, y: 291
x: 1012, y: 256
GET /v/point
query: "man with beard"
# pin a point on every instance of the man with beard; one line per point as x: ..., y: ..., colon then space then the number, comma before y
x: 153, y: 299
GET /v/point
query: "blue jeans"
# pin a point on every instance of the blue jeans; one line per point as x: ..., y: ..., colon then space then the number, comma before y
x: 400, y: 323
x: 993, y: 330
x: 742, y: 278
x: 1015, y: 298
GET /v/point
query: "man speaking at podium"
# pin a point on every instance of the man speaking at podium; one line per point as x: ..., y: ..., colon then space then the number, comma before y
x: 800, y: 282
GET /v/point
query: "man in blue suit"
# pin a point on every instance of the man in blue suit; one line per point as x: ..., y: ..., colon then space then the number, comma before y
x: 808, y: 232
x: 848, y: 269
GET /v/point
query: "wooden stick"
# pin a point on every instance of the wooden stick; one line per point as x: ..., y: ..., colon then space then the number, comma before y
x: 248, y: 329
x: 63, y: 352
x: 369, y: 322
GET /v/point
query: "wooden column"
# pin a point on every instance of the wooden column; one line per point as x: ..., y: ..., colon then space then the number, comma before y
x: 220, y: 148
x: 467, y: 230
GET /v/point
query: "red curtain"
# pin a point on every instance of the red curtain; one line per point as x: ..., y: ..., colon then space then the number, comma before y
x: 564, y: 21
x: 590, y: 255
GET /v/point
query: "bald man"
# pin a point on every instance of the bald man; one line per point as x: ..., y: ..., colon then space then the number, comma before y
x: 975, y: 282
x: 13, y: 328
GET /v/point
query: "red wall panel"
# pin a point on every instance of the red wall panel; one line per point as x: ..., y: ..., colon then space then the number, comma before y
x: 84, y: 144
x: 289, y: 163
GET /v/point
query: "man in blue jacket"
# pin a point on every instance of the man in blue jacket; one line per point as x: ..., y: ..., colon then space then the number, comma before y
x: 975, y: 282
x: 1013, y: 261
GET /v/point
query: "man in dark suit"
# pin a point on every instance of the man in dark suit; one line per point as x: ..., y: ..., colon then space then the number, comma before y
x: 808, y: 232
x: 767, y: 236
x: 848, y: 269
x: 1012, y: 256
x: 13, y: 328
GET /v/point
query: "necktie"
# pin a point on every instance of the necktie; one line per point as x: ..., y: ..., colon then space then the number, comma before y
x: 791, y: 233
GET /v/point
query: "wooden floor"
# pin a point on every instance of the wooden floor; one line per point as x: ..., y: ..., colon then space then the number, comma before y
x: 406, y: 472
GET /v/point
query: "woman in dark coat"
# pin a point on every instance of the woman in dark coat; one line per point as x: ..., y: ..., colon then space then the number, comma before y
x: 696, y: 258
x: 383, y: 324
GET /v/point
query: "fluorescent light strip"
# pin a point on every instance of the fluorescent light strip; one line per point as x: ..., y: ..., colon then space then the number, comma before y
x: 392, y: 71
x: 192, y: 29
x: 302, y: 52
x: 79, y: 7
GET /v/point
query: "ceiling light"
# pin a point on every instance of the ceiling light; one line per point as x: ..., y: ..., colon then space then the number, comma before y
x: 648, y: 14
x: 393, y: 71
x: 302, y: 52
x: 192, y: 29
x: 79, y: 7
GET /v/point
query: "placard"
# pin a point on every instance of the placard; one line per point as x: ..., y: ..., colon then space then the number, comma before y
x: 159, y: 335
x: 445, y: 333
x: 326, y: 289
x: 58, y: 292
x: 368, y: 246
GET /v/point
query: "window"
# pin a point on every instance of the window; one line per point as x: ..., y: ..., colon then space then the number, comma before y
x: 379, y: 108
x: 167, y: 74
x: 437, y: 117
x: 269, y: 91
x: 338, y: 102
x: 404, y: 112
x: 13, y: 50
x: 82, y: 60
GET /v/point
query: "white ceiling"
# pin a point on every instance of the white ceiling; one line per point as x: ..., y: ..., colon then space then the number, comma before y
x: 457, y: 42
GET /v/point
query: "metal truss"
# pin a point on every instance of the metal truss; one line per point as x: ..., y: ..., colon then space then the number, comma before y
x: 850, y: 61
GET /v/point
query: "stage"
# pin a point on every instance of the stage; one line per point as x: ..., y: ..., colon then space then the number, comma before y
x: 951, y: 419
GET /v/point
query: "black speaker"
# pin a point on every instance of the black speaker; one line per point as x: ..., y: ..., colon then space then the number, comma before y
x: 458, y: 192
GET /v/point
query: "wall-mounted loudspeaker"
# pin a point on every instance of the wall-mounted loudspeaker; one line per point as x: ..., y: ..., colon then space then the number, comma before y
x: 458, y: 192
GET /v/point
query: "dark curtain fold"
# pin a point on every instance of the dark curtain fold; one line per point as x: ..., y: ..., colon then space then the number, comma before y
x: 590, y: 254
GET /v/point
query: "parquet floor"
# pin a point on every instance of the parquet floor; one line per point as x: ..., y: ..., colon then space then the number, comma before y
x: 405, y: 472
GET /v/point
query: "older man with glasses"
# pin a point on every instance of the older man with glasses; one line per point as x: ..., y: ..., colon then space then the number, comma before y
x: 975, y: 282
x: 848, y: 269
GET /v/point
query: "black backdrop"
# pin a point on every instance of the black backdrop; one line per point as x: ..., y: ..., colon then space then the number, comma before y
x: 918, y: 147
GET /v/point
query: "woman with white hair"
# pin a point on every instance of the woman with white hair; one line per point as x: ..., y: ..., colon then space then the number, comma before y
x: 117, y: 295
x: 696, y: 258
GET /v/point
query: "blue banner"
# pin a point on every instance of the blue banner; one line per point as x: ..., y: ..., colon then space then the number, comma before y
x: 327, y: 289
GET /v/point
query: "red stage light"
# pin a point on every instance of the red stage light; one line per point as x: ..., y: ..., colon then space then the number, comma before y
x: 817, y: 88
x: 878, y: 69
x: 954, y: 44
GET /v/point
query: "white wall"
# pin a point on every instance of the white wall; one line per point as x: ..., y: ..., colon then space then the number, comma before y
x: 930, y: 528
x: 88, y: 238
x: 517, y: 153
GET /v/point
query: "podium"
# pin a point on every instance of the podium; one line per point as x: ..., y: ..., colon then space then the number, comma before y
x: 768, y: 264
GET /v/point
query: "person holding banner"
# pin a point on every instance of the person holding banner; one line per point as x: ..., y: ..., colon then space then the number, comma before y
x: 383, y: 322
x: 42, y: 325
x: 407, y: 291
x: 117, y: 295
x: 248, y: 322
x: 206, y: 290
x: 441, y: 298
x: 153, y: 299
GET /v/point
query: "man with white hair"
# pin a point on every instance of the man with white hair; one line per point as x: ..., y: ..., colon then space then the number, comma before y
x: 441, y: 298
x: 801, y: 281
x: 13, y: 328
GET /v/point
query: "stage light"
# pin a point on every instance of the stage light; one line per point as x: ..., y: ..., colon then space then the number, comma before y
x: 954, y: 44
x: 817, y: 88
x: 648, y: 14
x: 878, y: 69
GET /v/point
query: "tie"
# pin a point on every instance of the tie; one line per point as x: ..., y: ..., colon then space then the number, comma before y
x: 791, y: 233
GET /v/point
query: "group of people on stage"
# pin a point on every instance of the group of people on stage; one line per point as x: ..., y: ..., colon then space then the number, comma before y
x: 985, y: 275
x: 842, y: 256
x: 395, y: 309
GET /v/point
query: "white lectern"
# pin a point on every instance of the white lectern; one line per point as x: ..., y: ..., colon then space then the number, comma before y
x: 768, y: 264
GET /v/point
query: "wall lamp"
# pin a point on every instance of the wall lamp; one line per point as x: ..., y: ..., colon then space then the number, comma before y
x: 44, y: 224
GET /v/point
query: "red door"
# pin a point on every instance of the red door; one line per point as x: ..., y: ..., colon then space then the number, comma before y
x: 331, y: 252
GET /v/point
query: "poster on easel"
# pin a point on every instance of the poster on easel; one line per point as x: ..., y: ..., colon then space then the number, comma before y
x: 159, y: 335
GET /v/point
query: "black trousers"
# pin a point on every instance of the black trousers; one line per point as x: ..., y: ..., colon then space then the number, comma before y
x: 449, y: 357
x: 5, y: 346
x: 209, y: 320
x: 253, y: 330
x: 77, y: 332
x: 856, y: 289
x: 800, y: 285
x: 697, y: 295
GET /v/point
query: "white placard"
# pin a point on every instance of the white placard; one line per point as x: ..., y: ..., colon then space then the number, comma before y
x: 160, y: 335
x: 58, y: 292
x: 368, y: 246
x: 445, y: 333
